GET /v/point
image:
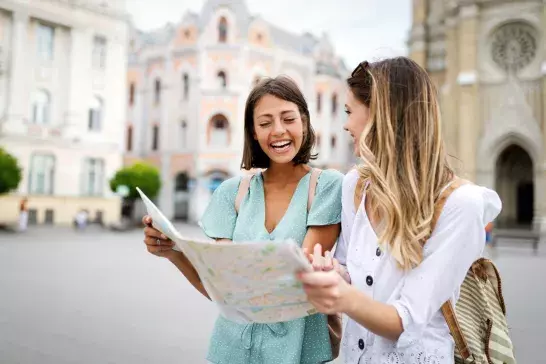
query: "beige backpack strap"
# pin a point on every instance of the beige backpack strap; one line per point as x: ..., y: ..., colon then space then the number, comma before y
x: 243, y: 189
x: 315, y: 173
x: 447, y: 308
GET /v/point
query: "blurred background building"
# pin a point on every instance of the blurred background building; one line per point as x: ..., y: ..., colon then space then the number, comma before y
x: 187, y: 85
x: 84, y: 92
x: 62, y: 105
x: 489, y: 63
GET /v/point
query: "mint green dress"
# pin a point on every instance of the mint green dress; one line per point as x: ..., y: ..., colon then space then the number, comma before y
x: 304, y: 340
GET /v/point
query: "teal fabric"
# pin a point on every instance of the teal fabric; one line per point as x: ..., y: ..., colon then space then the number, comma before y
x: 304, y: 340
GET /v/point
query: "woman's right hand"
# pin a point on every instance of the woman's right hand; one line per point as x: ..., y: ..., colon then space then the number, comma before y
x: 326, y: 262
x: 157, y: 243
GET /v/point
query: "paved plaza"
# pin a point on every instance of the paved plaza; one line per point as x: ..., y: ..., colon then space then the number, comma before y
x: 98, y: 297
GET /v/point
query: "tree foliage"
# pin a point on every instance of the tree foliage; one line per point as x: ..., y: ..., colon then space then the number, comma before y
x: 10, y: 172
x: 141, y: 175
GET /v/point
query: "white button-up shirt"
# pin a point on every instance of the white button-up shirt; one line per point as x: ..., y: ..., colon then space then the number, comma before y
x: 456, y: 242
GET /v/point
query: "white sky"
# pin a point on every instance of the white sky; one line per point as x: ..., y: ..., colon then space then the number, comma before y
x: 359, y: 29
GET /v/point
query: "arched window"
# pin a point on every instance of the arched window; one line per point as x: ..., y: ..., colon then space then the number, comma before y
x: 157, y: 91
x: 319, y: 102
x: 93, y: 177
x: 222, y: 79
x: 183, y: 139
x: 219, y: 131
x: 334, y: 104
x: 41, y: 106
x: 129, y: 138
x: 131, y: 94
x: 42, y: 174
x: 155, y: 137
x: 222, y: 30
x: 181, y: 182
x: 95, y: 114
x: 185, y: 86
x: 181, y: 196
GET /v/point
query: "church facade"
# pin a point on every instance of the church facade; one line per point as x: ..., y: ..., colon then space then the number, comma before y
x: 488, y: 61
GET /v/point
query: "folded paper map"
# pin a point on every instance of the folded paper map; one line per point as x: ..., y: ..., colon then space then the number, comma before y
x: 251, y: 281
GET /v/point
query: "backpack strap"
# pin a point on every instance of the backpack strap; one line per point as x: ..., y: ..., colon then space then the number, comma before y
x: 447, y: 308
x: 242, y: 191
x: 315, y: 173
x: 245, y: 184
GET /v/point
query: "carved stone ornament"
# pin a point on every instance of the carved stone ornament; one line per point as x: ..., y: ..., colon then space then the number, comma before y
x: 514, y: 46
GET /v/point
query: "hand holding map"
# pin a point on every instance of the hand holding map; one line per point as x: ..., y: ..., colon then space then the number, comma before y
x: 250, y: 282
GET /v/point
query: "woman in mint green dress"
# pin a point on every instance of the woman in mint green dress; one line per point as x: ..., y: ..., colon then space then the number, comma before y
x: 278, y: 138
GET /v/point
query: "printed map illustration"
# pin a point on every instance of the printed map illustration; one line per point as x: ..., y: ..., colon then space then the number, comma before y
x: 250, y: 282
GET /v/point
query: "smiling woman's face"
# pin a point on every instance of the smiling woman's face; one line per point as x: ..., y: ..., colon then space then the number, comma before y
x: 278, y: 128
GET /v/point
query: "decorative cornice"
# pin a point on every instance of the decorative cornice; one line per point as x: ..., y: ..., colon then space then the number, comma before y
x: 469, y: 11
x: 185, y: 51
x: 93, y: 8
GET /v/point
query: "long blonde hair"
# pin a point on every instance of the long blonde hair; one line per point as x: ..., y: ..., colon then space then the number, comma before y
x: 403, y: 153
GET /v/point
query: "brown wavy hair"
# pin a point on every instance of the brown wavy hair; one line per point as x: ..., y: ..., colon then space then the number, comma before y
x: 403, y: 153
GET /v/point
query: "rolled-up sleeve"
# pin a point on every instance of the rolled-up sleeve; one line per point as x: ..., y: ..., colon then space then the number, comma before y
x: 457, y: 241
x: 326, y: 207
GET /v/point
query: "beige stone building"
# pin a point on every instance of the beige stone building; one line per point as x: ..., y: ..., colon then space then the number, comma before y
x: 187, y: 85
x: 62, y: 105
x: 488, y: 60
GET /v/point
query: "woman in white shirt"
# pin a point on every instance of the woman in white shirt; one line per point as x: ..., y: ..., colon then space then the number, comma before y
x: 392, y: 273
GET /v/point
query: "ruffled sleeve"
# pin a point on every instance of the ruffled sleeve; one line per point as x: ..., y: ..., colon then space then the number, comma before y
x: 218, y: 221
x: 326, y: 207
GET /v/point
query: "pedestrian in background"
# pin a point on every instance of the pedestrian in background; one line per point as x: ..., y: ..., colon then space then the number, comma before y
x: 23, y: 214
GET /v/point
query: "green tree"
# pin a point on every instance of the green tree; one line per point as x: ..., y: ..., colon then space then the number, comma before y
x: 141, y: 175
x: 10, y: 172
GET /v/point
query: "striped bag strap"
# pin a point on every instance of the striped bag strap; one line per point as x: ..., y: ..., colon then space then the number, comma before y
x: 447, y: 308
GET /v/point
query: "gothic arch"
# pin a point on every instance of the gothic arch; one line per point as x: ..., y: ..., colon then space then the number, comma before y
x: 515, y: 184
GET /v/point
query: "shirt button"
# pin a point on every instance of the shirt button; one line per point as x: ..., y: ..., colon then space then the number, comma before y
x: 369, y: 280
x: 378, y: 252
x: 361, y: 344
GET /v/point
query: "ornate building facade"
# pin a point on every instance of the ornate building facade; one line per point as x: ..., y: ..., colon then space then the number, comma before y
x: 187, y: 85
x: 488, y: 60
x: 62, y: 93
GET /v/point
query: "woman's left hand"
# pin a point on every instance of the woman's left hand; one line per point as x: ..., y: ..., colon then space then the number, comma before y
x: 327, y: 291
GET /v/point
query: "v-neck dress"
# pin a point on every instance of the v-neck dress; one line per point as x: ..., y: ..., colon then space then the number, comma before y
x: 303, y: 340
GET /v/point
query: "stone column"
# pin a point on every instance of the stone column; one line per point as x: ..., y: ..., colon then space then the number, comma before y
x: 469, y: 120
x: 166, y: 195
x: 17, y: 106
x: 449, y: 91
x: 194, y: 131
x: 540, y: 198
x: 75, y: 119
x: 540, y: 165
